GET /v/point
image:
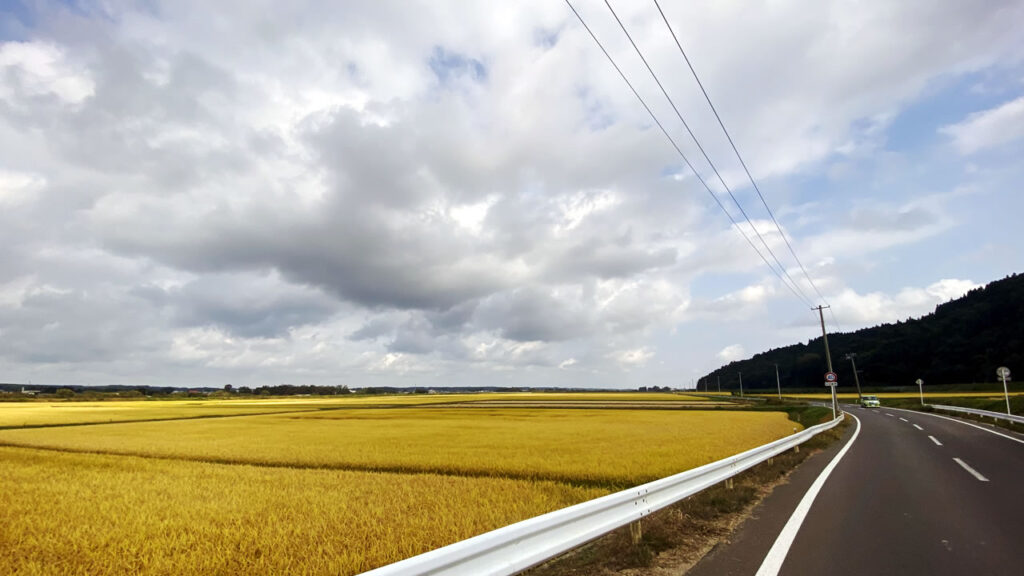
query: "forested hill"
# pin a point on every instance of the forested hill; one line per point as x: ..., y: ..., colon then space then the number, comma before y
x: 963, y: 341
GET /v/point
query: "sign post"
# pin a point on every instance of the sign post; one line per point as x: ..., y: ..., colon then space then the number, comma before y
x: 1004, y: 373
x: 920, y: 389
x: 832, y: 380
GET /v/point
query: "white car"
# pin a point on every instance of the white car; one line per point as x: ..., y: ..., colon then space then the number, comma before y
x: 867, y: 401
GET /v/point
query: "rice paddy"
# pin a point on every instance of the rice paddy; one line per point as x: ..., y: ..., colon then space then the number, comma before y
x: 327, y: 486
x: 52, y: 413
x: 96, y: 514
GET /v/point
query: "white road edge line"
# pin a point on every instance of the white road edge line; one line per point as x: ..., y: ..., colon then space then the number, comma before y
x: 777, y: 555
x: 903, y: 419
x: 918, y: 427
x: 936, y: 440
x: 972, y: 471
x: 968, y: 424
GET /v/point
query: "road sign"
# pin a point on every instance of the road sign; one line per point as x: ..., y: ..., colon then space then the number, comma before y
x: 830, y: 377
x: 1004, y: 373
x: 918, y: 381
x: 832, y: 384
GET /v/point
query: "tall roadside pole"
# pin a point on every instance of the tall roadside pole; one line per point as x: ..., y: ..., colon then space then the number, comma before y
x: 1004, y: 373
x: 741, y: 383
x: 920, y: 389
x: 778, y: 384
x: 719, y: 383
x: 828, y: 356
x: 851, y: 357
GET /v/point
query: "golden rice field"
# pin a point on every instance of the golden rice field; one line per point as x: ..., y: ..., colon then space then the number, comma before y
x: 334, y: 491
x: 96, y: 514
x: 69, y: 412
x: 613, y: 447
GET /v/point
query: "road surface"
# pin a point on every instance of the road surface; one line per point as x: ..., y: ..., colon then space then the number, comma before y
x: 912, y: 494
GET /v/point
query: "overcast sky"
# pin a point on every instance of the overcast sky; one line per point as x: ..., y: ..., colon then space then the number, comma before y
x: 466, y: 193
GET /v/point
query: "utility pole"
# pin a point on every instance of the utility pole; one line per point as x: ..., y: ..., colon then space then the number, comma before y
x: 828, y: 356
x: 778, y: 384
x: 719, y: 383
x: 856, y: 378
x: 741, y: 383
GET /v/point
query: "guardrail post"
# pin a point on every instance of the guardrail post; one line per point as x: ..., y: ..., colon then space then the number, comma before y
x: 796, y: 449
x: 728, y: 483
x: 636, y: 532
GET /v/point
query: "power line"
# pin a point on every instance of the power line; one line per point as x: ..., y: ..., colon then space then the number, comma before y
x: 742, y: 162
x: 680, y: 152
x: 707, y: 158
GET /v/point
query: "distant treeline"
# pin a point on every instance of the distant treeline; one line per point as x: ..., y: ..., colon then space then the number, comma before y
x: 963, y: 341
x: 136, y: 391
x: 120, y: 391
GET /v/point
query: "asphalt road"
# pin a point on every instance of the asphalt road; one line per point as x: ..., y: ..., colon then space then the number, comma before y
x: 914, y: 494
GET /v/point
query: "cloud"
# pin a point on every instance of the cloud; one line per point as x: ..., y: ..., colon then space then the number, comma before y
x: 634, y: 357
x: 39, y: 69
x: 251, y: 306
x: 443, y: 191
x: 860, y: 310
x: 731, y: 353
x: 988, y: 128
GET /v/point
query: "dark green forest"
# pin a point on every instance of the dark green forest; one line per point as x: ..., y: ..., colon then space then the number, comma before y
x: 963, y: 341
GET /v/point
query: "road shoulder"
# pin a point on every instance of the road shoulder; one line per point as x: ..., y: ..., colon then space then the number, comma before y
x: 744, y: 550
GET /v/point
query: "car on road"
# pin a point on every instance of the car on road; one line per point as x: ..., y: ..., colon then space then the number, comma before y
x: 867, y: 401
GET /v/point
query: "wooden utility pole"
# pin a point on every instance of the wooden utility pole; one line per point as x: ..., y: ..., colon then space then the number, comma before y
x: 778, y: 384
x: 856, y: 379
x: 828, y: 356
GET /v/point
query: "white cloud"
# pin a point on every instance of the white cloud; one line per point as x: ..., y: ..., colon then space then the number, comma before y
x: 19, y: 187
x: 634, y: 357
x: 39, y: 68
x: 859, y: 310
x: 988, y: 128
x: 732, y: 352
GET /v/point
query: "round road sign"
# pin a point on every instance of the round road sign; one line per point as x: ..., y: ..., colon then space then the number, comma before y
x: 1003, y: 372
x: 830, y: 377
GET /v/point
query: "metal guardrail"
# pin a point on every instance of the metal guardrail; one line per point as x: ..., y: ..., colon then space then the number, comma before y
x: 976, y: 412
x: 525, y: 544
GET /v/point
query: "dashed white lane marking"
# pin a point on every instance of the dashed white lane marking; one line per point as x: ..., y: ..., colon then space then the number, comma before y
x: 936, y: 440
x: 903, y: 419
x: 970, y: 470
x: 777, y: 555
x: 918, y: 427
x: 1008, y: 437
x: 887, y: 414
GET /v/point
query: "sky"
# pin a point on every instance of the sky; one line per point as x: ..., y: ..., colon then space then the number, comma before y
x: 467, y: 194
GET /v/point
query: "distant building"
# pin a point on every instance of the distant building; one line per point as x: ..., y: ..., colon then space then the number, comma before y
x: 29, y: 392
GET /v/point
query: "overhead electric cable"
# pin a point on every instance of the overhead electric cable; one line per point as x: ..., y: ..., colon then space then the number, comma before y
x: 742, y: 162
x: 707, y: 158
x: 682, y: 155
